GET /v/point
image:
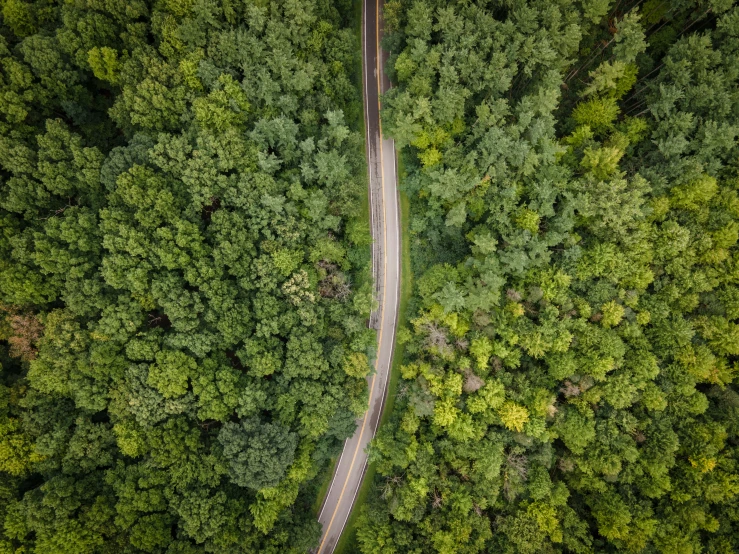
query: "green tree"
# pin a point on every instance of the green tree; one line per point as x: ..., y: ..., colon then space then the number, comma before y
x: 258, y: 453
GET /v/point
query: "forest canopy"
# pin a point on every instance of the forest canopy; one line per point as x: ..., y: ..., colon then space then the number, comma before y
x: 184, y: 271
x: 185, y: 285
x: 570, y: 379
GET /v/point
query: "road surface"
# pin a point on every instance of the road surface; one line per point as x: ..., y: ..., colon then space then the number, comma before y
x: 385, y: 225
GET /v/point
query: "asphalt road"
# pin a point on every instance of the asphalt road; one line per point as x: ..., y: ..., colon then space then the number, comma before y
x: 386, y: 269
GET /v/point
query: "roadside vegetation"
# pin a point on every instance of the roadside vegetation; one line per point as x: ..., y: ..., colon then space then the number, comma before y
x: 571, y: 358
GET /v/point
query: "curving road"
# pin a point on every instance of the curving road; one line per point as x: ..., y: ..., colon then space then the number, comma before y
x: 386, y: 269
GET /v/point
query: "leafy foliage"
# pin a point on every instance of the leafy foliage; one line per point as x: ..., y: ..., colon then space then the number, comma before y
x: 570, y: 380
x: 184, y: 272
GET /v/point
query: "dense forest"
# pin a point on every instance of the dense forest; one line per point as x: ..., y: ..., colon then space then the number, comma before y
x: 185, y: 286
x: 571, y: 360
x: 184, y: 271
